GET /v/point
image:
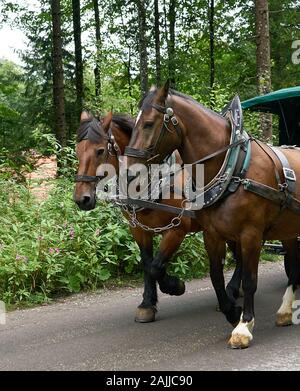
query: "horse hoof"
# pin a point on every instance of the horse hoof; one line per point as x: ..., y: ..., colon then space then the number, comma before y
x: 180, y: 289
x: 284, y: 319
x: 239, y: 341
x: 241, y: 335
x: 172, y: 287
x: 145, y: 315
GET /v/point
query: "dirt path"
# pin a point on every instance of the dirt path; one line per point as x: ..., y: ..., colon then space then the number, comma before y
x: 40, y: 179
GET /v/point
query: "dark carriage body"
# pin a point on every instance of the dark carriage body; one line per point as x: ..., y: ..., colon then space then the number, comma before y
x: 286, y: 104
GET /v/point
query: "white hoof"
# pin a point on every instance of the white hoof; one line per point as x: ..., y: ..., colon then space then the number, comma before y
x: 241, y: 336
x: 284, y: 314
x: 284, y: 319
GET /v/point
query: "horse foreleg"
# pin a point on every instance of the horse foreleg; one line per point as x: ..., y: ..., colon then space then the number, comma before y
x: 170, y: 243
x: 146, y: 310
x: 250, y: 249
x: 284, y: 314
x: 233, y: 286
x: 216, y: 249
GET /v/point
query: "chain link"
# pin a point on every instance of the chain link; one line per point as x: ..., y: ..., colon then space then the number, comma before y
x: 134, y: 222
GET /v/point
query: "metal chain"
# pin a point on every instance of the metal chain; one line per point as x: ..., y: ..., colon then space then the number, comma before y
x: 134, y: 222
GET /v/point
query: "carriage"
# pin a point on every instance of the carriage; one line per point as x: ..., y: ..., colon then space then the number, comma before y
x: 285, y: 104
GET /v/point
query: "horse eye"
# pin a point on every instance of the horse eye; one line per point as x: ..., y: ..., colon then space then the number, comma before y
x: 100, y: 151
x: 148, y: 125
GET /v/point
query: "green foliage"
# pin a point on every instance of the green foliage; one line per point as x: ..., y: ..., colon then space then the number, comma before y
x: 190, y: 260
x: 26, y: 101
x: 52, y: 247
x: 12, y: 103
x: 66, y: 156
x: 15, y: 164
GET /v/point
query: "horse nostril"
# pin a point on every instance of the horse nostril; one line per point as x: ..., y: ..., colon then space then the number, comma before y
x: 86, y: 199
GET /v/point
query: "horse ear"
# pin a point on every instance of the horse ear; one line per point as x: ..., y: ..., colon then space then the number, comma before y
x: 106, y: 121
x: 163, y: 92
x: 85, y: 115
x: 166, y: 87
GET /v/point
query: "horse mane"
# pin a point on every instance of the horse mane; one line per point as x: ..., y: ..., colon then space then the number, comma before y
x: 91, y: 128
x: 147, y: 99
x: 125, y: 122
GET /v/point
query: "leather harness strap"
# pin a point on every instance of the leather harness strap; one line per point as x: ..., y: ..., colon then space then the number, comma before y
x: 277, y: 196
x: 150, y: 153
x: 145, y: 204
x: 112, y: 146
x: 288, y: 172
x: 86, y: 178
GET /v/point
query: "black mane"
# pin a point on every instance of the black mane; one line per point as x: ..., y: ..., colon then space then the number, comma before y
x: 91, y: 128
x: 125, y: 122
x: 147, y: 99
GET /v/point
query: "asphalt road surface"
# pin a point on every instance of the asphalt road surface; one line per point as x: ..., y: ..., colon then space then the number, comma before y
x: 98, y: 332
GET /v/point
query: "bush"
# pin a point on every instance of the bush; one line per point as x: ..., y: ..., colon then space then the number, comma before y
x: 53, y: 247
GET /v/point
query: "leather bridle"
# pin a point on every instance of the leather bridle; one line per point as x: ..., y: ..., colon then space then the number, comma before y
x: 112, y: 149
x: 150, y: 153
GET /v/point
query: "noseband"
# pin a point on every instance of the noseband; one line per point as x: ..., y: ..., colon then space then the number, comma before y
x: 92, y: 127
x: 151, y: 152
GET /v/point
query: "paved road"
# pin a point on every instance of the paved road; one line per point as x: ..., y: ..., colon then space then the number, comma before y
x: 97, y: 332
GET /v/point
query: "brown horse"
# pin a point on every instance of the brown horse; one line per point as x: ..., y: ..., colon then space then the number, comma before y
x: 243, y: 217
x: 94, y: 148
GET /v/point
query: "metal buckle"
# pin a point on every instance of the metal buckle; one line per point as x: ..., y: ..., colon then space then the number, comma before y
x: 283, y: 186
x: 289, y: 174
x: 222, y: 178
x: 166, y: 118
x: 174, y: 121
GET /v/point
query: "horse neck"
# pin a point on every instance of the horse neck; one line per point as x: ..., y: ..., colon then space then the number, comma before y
x: 205, y: 132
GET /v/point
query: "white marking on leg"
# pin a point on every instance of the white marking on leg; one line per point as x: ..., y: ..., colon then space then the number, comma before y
x: 287, y: 301
x: 244, y: 328
x: 242, y: 334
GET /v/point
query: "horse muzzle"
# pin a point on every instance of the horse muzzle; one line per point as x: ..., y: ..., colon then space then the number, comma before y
x: 86, y: 201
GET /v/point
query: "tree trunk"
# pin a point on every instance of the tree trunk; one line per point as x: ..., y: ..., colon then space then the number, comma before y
x: 171, y: 43
x: 263, y: 61
x: 143, y: 46
x: 157, y: 44
x: 211, y: 15
x: 58, y: 75
x: 78, y: 57
x: 97, y: 69
x: 212, y: 42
